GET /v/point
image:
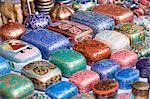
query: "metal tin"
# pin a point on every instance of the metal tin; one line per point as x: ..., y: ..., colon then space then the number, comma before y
x: 143, y: 65
x: 115, y: 40
x: 19, y: 53
x: 98, y: 22
x: 93, y: 50
x: 69, y: 61
x: 140, y: 90
x: 134, y: 32
x: 126, y: 58
x: 75, y: 31
x: 120, y: 14
x: 106, y: 68
x: 4, y: 67
x: 84, y: 96
x: 84, y: 79
x: 105, y: 89
x: 126, y: 77
x: 62, y: 90
x: 42, y: 74
x: 12, y: 30
x: 14, y: 86
x: 47, y: 41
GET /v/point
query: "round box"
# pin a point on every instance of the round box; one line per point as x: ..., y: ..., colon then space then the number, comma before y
x: 126, y: 77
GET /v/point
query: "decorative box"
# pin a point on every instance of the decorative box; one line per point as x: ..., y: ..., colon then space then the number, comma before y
x: 134, y: 32
x: 115, y: 40
x: 140, y: 90
x: 37, y: 20
x: 84, y: 80
x: 12, y: 30
x: 14, y: 86
x: 40, y: 96
x: 4, y: 67
x: 98, y: 22
x: 106, y: 68
x: 62, y: 90
x: 69, y: 61
x: 75, y: 31
x: 125, y: 58
x: 65, y: 2
x: 120, y: 14
x: 143, y: 65
x: 19, y: 53
x: 42, y: 74
x: 105, y: 89
x: 93, y: 50
x: 125, y: 96
x: 126, y: 77
x: 84, y: 96
x: 47, y: 41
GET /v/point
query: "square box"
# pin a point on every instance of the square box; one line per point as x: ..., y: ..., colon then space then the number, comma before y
x: 19, y: 53
x: 84, y: 80
x: 68, y: 61
x: 42, y: 74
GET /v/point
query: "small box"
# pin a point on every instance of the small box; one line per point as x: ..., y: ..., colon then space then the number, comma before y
x: 93, y: 50
x: 14, y: 86
x: 106, y: 68
x: 75, y: 31
x: 69, y: 61
x: 62, y: 90
x: 47, y: 41
x: 19, y: 53
x: 84, y: 80
x: 42, y: 74
x: 125, y: 58
x: 98, y: 22
x: 115, y: 40
x: 119, y: 14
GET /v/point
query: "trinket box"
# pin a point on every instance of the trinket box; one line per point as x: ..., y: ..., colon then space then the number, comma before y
x: 84, y: 80
x: 62, y: 90
x: 134, y: 32
x: 119, y: 14
x: 47, y: 41
x: 105, y: 89
x: 115, y: 40
x: 93, y: 50
x: 42, y: 74
x: 106, y: 68
x: 84, y: 96
x: 4, y: 67
x: 125, y: 58
x: 75, y: 31
x: 19, y: 53
x: 69, y: 61
x: 14, y: 86
x: 37, y: 20
x: 143, y: 65
x: 98, y: 22
x: 140, y: 90
x: 126, y: 77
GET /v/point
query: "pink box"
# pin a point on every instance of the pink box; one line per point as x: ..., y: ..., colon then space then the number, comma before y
x: 84, y: 80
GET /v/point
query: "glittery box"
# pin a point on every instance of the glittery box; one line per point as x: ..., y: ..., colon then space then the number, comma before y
x: 62, y: 90
x: 69, y: 61
x: 93, y: 50
x: 98, y: 22
x: 4, y: 67
x: 120, y: 14
x: 84, y: 80
x: 126, y: 77
x: 42, y: 74
x: 14, y: 86
x: 115, y: 40
x: 19, y: 53
x: 106, y: 68
x: 47, y: 41
x: 75, y: 31
x: 125, y: 58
